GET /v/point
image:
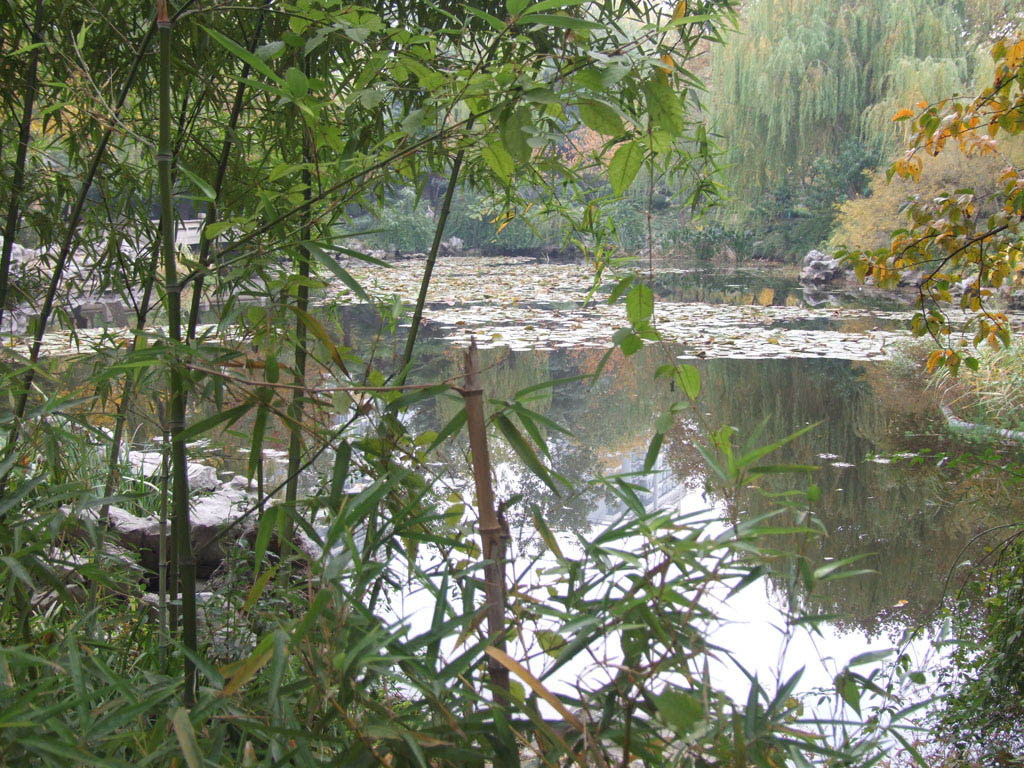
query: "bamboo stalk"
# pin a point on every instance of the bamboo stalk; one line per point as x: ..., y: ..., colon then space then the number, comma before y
x: 297, y: 407
x: 176, y: 376
x: 21, y: 402
x: 142, y: 313
x: 493, y: 532
x: 428, y: 269
x: 206, y: 243
x: 163, y: 623
x: 127, y: 390
x: 18, y: 179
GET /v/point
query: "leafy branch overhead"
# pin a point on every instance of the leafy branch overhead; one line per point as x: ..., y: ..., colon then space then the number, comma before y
x: 966, y: 248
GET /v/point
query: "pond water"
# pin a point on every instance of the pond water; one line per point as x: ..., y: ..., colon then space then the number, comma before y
x: 895, y: 486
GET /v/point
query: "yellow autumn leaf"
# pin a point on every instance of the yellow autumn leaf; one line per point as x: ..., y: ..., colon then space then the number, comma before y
x: 538, y: 687
x: 680, y: 10
x: 903, y: 114
x: 1015, y: 56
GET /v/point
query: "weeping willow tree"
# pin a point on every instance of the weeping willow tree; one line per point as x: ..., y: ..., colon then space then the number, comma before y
x: 803, y: 78
x: 801, y: 74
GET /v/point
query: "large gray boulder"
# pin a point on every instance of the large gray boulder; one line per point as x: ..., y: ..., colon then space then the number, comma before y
x: 217, y: 522
x: 819, y: 268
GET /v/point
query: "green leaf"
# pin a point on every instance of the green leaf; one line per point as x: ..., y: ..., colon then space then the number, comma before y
x: 457, y: 422
x: 493, y: 21
x: 205, y: 189
x: 550, y: 642
x: 601, y: 118
x: 560, y: 22
x: 270, y: 50
x: 653, y: 450
x: 624, y: 166
x: 547, y: 536
x: 339, y: 476
x: 688, y: 378
x: 241, y: 53
x: 416, y: 396
x: 413, y: 121
x: 681, y: 711
x: 514, y: 137
x: 499, y: 160
x: 187, y: 738
x: 256, y: 448
x: 627, y: 341
x: 323, y: 597
x: 640, y: 304
x: 664, y: 107
x: 267, y: 523
x: 620, y: 288
x: 870, y: 657
x: 848, y: 689
x: 297, y: 82
x: 524, y: 451
x: 338, y: 271
x: 231, y: 415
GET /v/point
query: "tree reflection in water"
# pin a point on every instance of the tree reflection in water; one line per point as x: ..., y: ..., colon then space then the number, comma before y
x: 912, y: 514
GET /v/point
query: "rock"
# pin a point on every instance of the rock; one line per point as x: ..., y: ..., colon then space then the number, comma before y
x: 1016, y: 300
x: 913, y: 279
x: 209, y: 516
x: 820, y: 268
x: 149, y: 464
x: 453, y: 245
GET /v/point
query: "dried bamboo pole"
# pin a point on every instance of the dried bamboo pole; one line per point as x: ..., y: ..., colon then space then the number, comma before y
x: 493, y: 532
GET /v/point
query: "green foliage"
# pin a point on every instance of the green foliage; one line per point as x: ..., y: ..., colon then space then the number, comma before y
x: 963, y: 240
x: 289, y: 119
x: 805, y: 82
x: 982, y: 708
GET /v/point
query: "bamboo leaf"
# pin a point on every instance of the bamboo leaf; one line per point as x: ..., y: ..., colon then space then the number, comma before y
x: 256, y: 446
x: 416, y: 396
x: 499, y: 160
x: 247, y: 669
x: 251, y: 59
x: 601, y: 118
x: 338, y: 271
x: 624, y: 166
x: 454, y: 425
x: 653, y: 450
x: 231, y: 415
x: 524, y: 451
x: 339, y: 476
x: 536, y: 685
x: 187, y: 738
x: 560, y: 22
